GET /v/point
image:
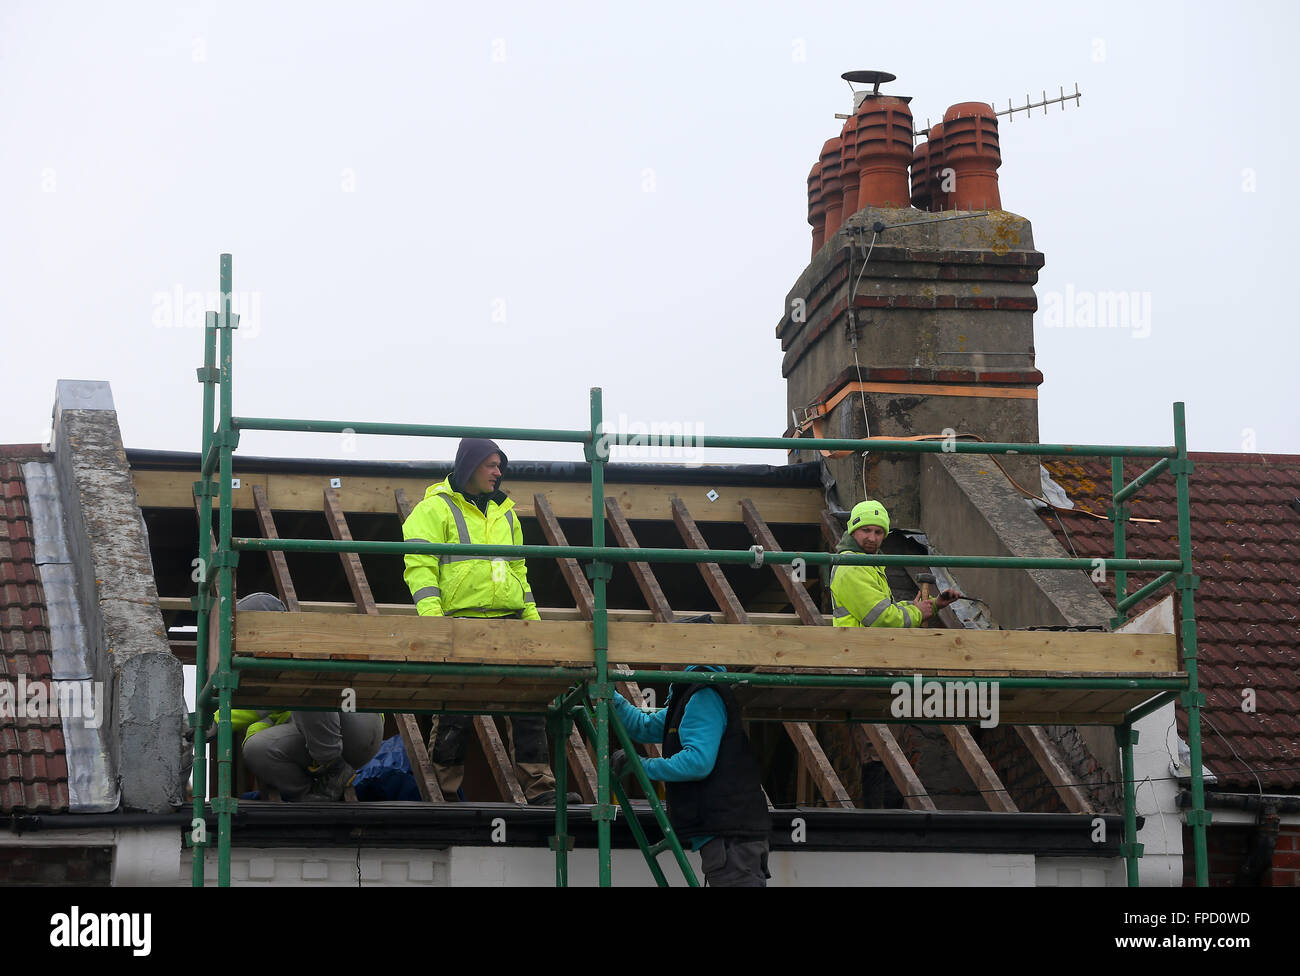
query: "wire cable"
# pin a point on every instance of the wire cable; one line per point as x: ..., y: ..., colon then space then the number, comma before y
x: 853, y: 341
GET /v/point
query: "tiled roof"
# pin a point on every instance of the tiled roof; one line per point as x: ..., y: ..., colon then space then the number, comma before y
x: 33, y: 764
x: 1245, y: 512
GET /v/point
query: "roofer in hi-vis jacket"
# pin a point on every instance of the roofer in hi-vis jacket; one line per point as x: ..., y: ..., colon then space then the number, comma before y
x: 306, y: 755
x: 860, y: 594
x: 469, y: 507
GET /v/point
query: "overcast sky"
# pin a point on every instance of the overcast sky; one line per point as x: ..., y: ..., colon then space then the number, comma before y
x: 442, y: 215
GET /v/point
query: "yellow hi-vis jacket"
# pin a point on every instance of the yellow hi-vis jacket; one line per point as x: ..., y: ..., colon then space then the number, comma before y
x: 860, y: 597
x: 250, y: 721
x: 466, y: 586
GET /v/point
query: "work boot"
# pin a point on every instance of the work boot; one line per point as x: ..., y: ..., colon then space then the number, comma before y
x: 547, y: 799
x: 330, y: 782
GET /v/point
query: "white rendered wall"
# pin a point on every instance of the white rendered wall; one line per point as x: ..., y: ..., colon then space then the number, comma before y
x: 534, y: 867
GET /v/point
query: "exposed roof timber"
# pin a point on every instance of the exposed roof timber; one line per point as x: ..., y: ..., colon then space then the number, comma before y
x: 879, y: 737
x: 806, y: 474
x: 812, y: 758
x: 1046, y: 754
x: 979, y: 769
x: 182, y: 603
x: 582, y: 594
x: 374, y: 495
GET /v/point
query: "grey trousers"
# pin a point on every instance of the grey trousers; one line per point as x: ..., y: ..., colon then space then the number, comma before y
x: 449, y: 742
x: 279, y: 756
x: 730, y: 862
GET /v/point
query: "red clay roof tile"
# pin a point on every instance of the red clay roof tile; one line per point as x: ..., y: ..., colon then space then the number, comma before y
x: 33, y: 764
x: 1245, y: 548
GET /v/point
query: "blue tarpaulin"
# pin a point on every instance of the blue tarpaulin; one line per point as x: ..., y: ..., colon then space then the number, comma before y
x: 388, y: 776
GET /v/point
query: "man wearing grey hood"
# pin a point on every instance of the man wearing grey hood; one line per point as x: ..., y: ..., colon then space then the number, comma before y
x: 469, y: 508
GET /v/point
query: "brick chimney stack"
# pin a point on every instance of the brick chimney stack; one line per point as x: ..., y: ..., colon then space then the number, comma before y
x: 941, y: 317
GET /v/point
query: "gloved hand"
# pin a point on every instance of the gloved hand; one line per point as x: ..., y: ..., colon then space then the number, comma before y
x: 946, y: 598
x: 618, y: 765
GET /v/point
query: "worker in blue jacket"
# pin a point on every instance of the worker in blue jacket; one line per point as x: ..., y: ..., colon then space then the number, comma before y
x: 715, y: 798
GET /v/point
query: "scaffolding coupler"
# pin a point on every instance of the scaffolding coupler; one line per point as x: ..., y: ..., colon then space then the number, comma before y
x: 1126, y: 735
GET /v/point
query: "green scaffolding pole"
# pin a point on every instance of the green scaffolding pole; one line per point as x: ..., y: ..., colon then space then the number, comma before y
x: 557, y: 724
x: 596, y: 717
x: 1197, y: 817
x: 203, y: 492
x: 1125, y: 737
x: 671, y: 840
x: 1118, y: 516
x: 600, y: 572
x: 225, y: 559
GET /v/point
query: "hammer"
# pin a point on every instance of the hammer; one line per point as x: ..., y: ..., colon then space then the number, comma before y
x: 926, y: 579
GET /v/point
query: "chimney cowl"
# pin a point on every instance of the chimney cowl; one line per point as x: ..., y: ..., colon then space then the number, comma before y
x: 816, y: 207
x: 970, y: 148
x: 938, y: 195
x: 832, y: 185
x: 882, y: 130
x: 849, y: 167
x: 921, y: 176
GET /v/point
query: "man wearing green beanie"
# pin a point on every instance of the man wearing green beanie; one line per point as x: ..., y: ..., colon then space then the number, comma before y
x: 860, y: 594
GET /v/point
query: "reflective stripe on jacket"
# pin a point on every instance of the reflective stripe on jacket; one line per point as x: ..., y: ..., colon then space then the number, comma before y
x: 466, y: 586
x: 860, y: 597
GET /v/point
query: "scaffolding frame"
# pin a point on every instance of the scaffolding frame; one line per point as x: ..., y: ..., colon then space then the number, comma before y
x: 588, y: 703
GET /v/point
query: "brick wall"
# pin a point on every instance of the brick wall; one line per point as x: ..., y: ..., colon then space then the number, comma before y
x: 1019, y: 771
x: 1286, y: 858
x: 1228, y: 846
x: 51, y: 866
